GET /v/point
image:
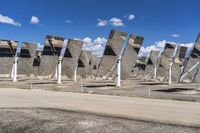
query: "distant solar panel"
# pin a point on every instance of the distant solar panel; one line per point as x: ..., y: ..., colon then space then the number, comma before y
x: 91, y: 64
x: 178, y: 62
x: 50, y: 54
x: 153, y: 58
x: 166, y: 58
x: 80, y: 63
x: 129, y: 56
x: 83, y: 63
x: 26, y: 58
x: 111, y: 52
x: 70, y: 59
x: 96, y: 65
x: 68, y: 53
x: 24, y: 52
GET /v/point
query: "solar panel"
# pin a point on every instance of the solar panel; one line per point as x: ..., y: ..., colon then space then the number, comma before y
x: 26, y: 58
x: 70, y: 59
x: 83, y: 63
x: 111, y: 52
x: 129, y: 56
x: 166, y: 58
x: 50, y: 54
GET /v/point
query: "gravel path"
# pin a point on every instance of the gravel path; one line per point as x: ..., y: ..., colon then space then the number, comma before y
x: 31, y: 120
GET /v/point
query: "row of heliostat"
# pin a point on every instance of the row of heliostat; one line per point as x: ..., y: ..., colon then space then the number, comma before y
x: 44, y: 63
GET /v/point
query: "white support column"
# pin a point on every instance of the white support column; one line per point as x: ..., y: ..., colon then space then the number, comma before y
x: 59, y: 71
x: 182, y: 67
x: 170, y: 73
x: 181, y: 73
x: 119, y: 72
x: 75, y: 78
x: 15, y: 70
x: 155, y: 71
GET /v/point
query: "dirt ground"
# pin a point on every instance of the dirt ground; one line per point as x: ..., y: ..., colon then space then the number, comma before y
x: 31, y: 120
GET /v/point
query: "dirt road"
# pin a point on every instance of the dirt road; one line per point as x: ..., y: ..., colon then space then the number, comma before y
x: 33, y: 120
x: 165, y: 111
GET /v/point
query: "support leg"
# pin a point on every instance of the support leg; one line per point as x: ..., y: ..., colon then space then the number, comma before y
x: 155, y: 72
x: 119, y: 72
x: 15, y: 70
x: 75, y: 78
x: 59, y: 71
x: 170, y: 73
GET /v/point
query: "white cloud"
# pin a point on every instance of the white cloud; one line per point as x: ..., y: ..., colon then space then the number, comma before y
x: 40, y: 46
x: 113, y: 21
x: 159, y: 46
x: 187, y: 44
x: 96, y: 46
x: 175, y: 35
x: 100, y: 40
x: 101, y: 22
x: 87, y: 40
x: 8, y: 20
x: 68, y: 21
x: 34, y: 20
x: 145, y: 51
x: 77, y: 39
x: 116, y: 22
x: 131, y: 17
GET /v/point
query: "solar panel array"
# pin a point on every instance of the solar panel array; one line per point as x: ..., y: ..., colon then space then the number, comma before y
x: 37, y: 62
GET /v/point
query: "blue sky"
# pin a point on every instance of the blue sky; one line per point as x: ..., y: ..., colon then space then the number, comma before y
x: 156, y: 20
